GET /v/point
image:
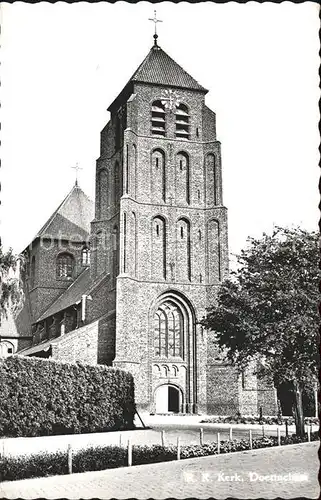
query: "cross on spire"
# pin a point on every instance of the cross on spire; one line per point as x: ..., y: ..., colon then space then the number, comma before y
x: 77, y: 168
x: 155, y: 21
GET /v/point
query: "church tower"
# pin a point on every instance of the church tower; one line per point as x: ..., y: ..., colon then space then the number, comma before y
x: 160, y: 233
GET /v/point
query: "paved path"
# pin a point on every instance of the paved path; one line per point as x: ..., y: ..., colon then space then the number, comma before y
x: 233, y: 475
x: 187, y: 428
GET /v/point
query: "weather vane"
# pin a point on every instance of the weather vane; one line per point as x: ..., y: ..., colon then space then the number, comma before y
x: 155, y: 21
x: 77, y: 168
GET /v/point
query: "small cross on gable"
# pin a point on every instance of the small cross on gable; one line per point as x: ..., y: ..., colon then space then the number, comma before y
x: 76, y: 168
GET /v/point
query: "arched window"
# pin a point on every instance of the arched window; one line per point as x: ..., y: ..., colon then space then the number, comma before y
x: 214, y: 251
x: 183, y: 250
x: 32, y: 272
x: 85, y: 256
x: 65, y: 265
x: 158, y: 122
x: 158, y: 175
x: 168, y: 331
x: 211, y: 180
x: 182, y: 178
x: 158, y: 256
x: 182, y: 122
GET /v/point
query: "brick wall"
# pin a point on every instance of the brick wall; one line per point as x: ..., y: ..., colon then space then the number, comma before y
x: 195, y: 258
x: 80, y: 345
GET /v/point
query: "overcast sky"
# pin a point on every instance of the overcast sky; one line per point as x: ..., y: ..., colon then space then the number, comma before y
x: 63, y: 64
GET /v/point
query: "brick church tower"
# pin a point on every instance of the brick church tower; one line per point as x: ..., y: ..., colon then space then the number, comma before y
x: 160, y: 231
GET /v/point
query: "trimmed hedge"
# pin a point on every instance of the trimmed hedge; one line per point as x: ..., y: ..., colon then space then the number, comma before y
x: 43, y: 397
x: 237, y: 419
x: 108, y: 457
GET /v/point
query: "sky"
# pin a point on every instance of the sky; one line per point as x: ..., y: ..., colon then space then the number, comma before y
x: 63, y: 64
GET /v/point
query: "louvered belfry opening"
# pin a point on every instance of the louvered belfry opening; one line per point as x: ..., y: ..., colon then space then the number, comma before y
x: 158, y: 119
x: 182, y: 122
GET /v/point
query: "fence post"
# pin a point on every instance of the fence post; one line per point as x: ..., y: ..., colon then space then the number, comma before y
x: 120, y: 440
x: 279, y: 436
x: 263, y: 430
x: 201, y: 437
x: 178, y: 449
x: 163, y: 438
x: 129, y: 453
x: 286, y: 428
x: 218, y: 443
x: 309, y: 432
x: 231, y: 433
x: 250, y: 439
x: 69, y: 452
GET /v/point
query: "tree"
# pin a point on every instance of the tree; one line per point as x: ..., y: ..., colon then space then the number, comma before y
x: 267, y: 311
x: 11, y: 290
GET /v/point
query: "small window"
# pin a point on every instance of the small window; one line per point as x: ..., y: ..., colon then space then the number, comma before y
x: 197, y: 133
x: 182, y: 122
x: 157, y: 229
x: 199, y: 235
x: 158, y: 119
x: 65, y: 265
x: 182, y: 232
x: 85, y: 256
x: 10, y: 350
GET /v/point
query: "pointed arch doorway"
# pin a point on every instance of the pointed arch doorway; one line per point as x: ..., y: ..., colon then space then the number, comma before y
x: 168, y: 399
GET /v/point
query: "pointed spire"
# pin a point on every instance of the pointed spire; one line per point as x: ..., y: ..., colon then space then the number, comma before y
x: 155, y: 21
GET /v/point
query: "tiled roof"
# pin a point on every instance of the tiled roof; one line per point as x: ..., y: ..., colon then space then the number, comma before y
x: 72, y: 217
x: 159, y: 68
x: 70, y: 296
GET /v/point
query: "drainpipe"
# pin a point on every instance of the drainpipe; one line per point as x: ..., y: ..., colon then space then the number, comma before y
x: 83, y: 306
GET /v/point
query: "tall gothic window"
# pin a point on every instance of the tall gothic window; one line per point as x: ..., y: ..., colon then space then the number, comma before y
x: 158, y: 119
x: 65, y: 265
x: 211, y: 180
x: 158, y: 175
x: 158, y: 254
x: 168, y: 331
x: 182, y: 122
x: 182, y: 178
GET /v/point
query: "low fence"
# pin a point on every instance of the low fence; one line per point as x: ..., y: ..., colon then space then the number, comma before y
x: 128, y: 444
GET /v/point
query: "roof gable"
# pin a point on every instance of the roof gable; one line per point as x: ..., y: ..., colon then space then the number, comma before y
x: 72, y: 217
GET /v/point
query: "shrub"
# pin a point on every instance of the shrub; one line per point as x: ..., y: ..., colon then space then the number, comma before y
x: 43, y: 397
x: 256, y: 420
x: 108, y: 457
x: 23, y: 467
x: 99, y: 458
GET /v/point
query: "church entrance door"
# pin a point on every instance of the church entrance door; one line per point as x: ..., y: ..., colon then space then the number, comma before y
x: 173, y: 399
x: 167, y: 399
